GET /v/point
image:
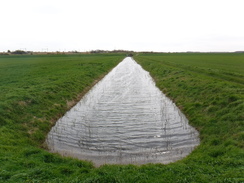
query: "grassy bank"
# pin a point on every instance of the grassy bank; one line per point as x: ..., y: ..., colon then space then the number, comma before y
x: 209, y: 90
x: 34, y: 92
x: 37, y: 90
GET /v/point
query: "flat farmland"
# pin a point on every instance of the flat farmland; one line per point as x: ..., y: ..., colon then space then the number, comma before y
x: 208, y: 88
x: 35, y: 90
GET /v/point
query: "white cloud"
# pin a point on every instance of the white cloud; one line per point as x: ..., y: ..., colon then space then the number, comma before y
x: 159, y: 25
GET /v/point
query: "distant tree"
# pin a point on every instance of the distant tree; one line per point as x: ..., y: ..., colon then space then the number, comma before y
x: 19, y: 52
x: 9, y: 51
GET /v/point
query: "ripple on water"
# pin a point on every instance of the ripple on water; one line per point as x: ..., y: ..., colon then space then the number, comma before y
x: 124, y: 119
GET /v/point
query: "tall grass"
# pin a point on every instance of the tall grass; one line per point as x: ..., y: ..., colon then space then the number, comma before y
x: 37, y: 90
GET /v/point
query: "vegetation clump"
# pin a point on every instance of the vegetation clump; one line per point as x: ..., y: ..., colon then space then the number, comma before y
x: 19, y: 52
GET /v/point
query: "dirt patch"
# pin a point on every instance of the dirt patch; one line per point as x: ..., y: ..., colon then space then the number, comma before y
x: 24, y: 103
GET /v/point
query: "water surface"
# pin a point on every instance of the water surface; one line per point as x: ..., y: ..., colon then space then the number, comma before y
x: 124, y: 119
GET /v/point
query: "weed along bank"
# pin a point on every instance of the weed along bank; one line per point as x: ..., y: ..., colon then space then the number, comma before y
x: 124, y: 119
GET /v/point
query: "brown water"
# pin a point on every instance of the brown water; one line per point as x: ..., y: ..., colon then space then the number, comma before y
x: 124, y: 119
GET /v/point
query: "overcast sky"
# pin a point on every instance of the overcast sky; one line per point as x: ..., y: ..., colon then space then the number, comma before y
x: 139, y: 25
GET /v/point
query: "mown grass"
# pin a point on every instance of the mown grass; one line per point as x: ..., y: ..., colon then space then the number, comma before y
x: 36, y: 90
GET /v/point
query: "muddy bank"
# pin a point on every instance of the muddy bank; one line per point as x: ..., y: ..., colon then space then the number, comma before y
x: 124, y: 119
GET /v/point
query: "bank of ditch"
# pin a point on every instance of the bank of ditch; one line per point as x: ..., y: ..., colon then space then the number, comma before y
x: 35, y: 91
x: 213, y: 100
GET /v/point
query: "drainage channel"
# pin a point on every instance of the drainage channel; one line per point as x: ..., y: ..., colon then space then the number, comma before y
x: 124, y: 119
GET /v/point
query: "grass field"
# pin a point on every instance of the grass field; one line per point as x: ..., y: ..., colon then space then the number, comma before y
x: 37, y: 90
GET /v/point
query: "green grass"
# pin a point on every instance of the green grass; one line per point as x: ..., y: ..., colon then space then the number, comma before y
x: 36, y: 90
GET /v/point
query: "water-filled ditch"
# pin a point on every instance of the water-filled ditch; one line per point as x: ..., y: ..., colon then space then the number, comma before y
x: 124, y: 119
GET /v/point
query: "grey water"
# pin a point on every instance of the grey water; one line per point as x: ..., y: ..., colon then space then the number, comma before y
x: 124, y: 119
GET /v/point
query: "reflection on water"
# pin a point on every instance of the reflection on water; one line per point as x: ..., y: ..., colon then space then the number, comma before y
x: 124, y: 119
